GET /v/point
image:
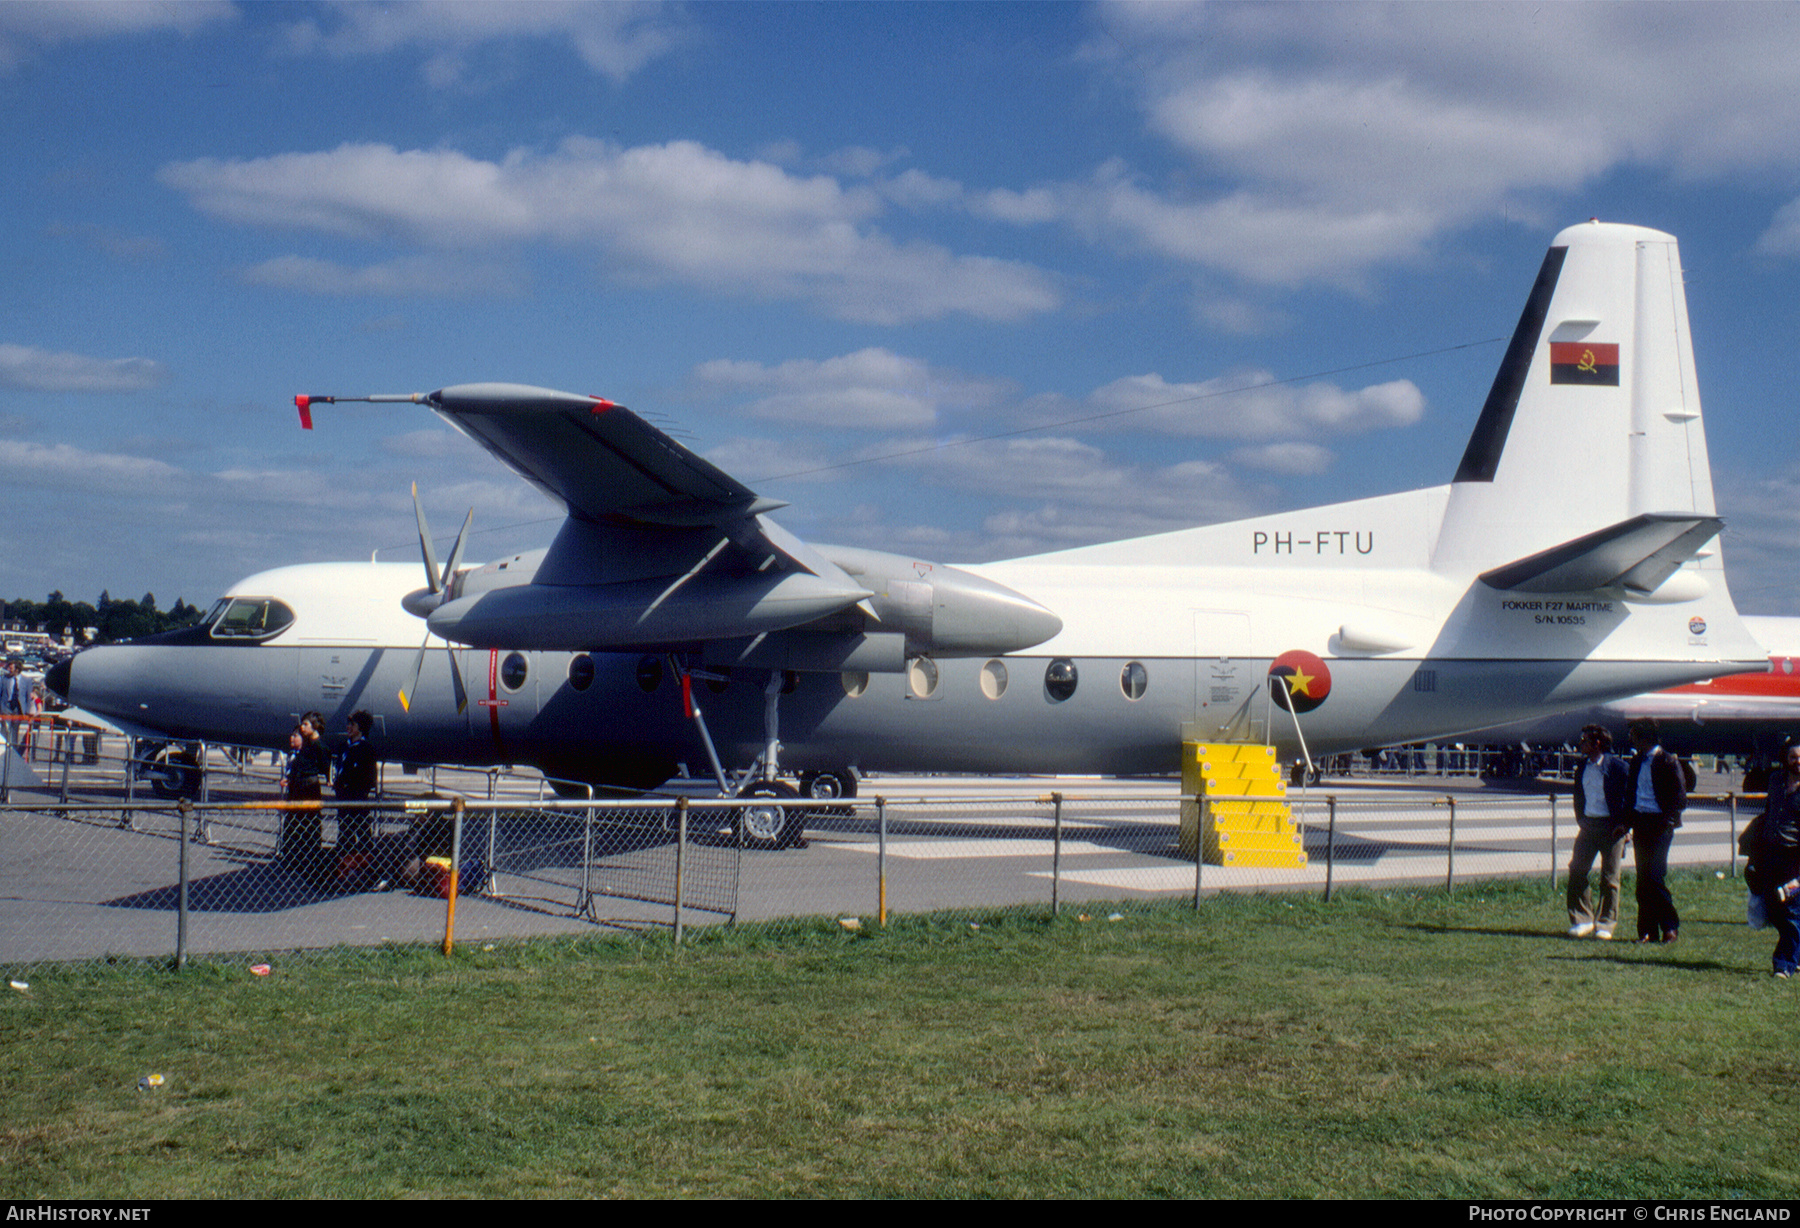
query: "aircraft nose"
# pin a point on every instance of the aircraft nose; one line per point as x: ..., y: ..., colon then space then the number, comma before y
x: 57, y: 677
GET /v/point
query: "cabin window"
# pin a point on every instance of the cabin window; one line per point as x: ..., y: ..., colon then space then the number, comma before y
x: 581, y: 671
x: 993, y: 679
x: 922, y: 677
x: 855, y: 683
x: 1060, y: 679
x: 252, y: 618
x: 649, y: 674
x: 514, y: 670
x: 1134, y: 679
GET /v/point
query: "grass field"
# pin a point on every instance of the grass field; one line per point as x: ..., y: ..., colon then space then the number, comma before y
x: 1409, y: 1044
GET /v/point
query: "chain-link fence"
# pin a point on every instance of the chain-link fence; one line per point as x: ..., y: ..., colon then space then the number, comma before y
x: 136, y: 879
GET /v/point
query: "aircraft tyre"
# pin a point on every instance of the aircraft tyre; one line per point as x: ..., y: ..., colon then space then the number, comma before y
x: 824, y: 786
x: 174, y: 772
x: 770, y: 826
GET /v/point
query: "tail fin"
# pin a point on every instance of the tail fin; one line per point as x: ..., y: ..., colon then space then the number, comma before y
x: 1594, y: 417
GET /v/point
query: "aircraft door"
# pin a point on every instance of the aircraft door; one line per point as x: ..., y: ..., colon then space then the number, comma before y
x: 1225, y: 679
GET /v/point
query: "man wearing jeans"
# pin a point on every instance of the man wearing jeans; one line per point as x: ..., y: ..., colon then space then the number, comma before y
x: 1602, y: 819
x: 1658, y: 796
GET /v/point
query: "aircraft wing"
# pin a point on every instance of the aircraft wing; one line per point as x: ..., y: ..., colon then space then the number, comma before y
x: 600, y: 460
x: 1637, y: 554
x: 662, y: 548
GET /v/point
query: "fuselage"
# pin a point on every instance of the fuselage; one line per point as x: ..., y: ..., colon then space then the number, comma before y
x: 1148, y: 654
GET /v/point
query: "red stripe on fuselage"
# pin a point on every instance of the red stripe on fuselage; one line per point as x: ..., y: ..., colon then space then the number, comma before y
x: 1778, y: 683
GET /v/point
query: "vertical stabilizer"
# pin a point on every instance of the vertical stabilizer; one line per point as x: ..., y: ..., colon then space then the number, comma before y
x: 1594, y: 416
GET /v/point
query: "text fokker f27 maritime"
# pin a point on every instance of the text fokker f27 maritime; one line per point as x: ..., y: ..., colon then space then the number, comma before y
x: 1566, y: 564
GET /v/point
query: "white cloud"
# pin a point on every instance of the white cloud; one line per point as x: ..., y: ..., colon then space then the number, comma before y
x: 1782, y: 238
x: 1074, y: 494
x: 432, y: 444
x: 859, y: 161
x: 1762, y: 517
x: 405, y: 276
x: 1238, y: 317
x: 1254, y: 406
x: 23, y: 366
x: 871, y: 389
x: 1291, y: 457
x: 614, y: 39
x: 753, y: 460
x: 914, y: 189
x: 28, y: 24
x: 61, y: 464
x: 1340, y: 138
x: 675, y: 212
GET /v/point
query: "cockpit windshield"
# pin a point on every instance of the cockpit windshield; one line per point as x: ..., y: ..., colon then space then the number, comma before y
x: 251, y: 618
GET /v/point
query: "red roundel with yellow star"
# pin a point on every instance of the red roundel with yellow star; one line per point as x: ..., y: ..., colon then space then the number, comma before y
x: 1304, y: 679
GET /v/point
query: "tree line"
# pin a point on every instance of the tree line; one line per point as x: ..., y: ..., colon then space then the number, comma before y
x: 122, y: 619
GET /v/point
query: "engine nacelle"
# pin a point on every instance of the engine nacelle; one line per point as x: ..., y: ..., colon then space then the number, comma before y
x: 944, y: 611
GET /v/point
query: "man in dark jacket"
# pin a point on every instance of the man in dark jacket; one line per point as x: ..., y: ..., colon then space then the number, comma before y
x: 1775, y: 860
x: 1658, y: 796
x: 1603, y: 824
x: 356, y: 783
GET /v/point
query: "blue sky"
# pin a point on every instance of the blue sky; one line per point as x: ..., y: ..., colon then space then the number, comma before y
x: 808, y: 235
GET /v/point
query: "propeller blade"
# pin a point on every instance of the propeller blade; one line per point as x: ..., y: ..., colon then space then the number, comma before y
x: 411, y: 690
x: 431, y: 568
x: 456, y: 681
x: 456, y: 552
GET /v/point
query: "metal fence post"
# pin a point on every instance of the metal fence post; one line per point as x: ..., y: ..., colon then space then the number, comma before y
x: 181, y: 896
x: 1056, y: 801
x: 456, y: 833
x: 67, y: 748
x: 1450, y: 849
x: 1330, y: 841
x: 130, y: 783
x: 1202, y: 809
x: 881, y: 860
x: 1553, y: 846
x: 681, y: 811
x: 1732, y: 850
x: 493, y: 841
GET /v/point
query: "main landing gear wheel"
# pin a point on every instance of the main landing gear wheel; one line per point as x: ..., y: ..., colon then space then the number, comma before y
x: 174, y: 772
x: 825, y: 786
x: 767, y: 823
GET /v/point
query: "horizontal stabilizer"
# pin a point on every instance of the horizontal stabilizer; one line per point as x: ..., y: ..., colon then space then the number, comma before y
x: 1637, y: 554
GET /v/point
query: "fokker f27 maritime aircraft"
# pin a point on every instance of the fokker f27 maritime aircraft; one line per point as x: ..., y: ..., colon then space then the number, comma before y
x: 1567, y: 563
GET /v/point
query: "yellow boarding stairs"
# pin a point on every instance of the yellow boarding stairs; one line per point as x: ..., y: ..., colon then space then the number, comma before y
x: 1242, y: 816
